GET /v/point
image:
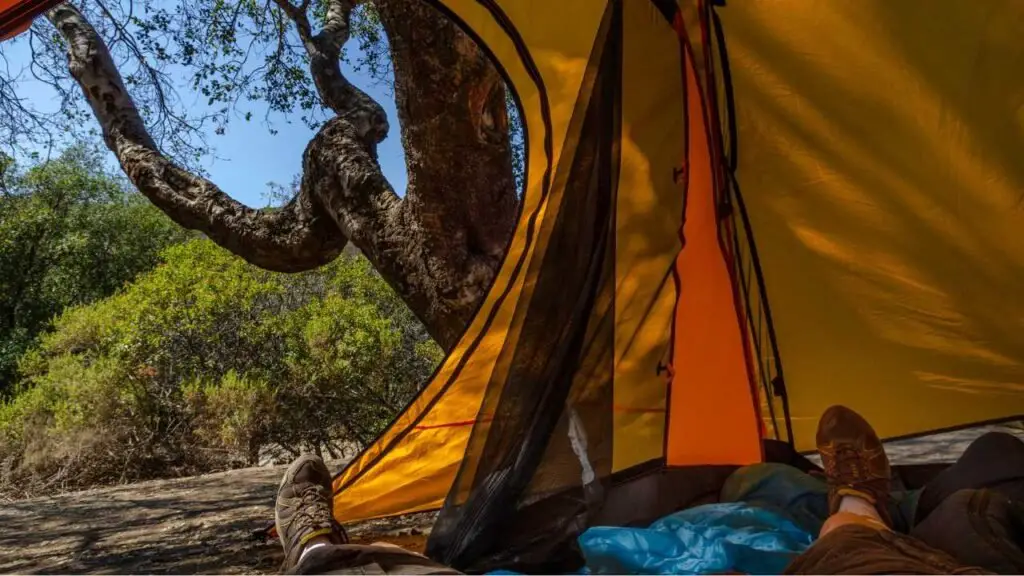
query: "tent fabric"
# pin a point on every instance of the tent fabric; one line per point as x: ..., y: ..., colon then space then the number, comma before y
x: 562, y: 377
x: 600, y: 330
x: 719, y: 423
x: 878, y: 148
x: 413, y: 465
x: 650, y: 314
x: 552, y: 397
x: 16, y: 15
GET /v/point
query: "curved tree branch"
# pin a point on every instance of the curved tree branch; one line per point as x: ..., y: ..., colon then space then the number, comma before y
x: 300, y: 236
x: 341, y: 162
x: 439, y: 247
x: 324, y: 50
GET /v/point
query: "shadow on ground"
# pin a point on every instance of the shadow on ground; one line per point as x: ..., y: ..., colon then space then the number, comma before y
x: 187, y: 526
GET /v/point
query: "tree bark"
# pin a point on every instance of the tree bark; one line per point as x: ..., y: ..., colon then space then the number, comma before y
x: 451, y: 106
x: 439, y: 247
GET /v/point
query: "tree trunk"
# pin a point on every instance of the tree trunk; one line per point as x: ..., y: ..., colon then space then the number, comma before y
x: 439, y: 247
x: 451, y: 106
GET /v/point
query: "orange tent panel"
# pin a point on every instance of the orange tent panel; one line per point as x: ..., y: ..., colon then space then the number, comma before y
x: 713, y: 415
x: 16, y: 15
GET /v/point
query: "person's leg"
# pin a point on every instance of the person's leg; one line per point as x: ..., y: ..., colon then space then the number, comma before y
x: 378, y: 558
x: 315, y: 544
x: 857, y: 538
x: 854, y: 510
x: 994, y: 460
x: 978, y: 527
x: 302, y: 512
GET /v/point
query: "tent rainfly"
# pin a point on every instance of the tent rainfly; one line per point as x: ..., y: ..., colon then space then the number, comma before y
x: 652, y: 326
x: 16, y: 15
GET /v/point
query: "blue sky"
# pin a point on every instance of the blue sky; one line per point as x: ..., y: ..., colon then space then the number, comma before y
x: 247, y: 156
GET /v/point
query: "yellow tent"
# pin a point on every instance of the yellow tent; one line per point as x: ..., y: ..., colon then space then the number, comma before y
x: 650, y: 319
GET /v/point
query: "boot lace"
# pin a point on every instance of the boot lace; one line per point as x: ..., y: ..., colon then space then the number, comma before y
x: 851, y: 465
x: 311, y: 512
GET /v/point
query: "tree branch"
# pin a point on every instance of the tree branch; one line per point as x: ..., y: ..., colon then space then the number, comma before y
x: 343, y: 194
x: 438, y: 248
x: 324, y: 50
x: 298, y: 237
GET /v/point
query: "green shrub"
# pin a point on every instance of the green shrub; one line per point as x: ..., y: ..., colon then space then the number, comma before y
x: 74, y: 425
x: 70, y: 234
x: 206, y: 361
x: 231, y: 417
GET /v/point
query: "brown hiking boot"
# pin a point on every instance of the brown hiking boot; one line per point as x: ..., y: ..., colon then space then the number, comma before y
x: 854, y: 460
x: 303, y: 509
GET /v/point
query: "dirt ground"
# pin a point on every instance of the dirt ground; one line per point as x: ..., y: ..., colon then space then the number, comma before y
x: 200, y: 525
x: 205, y: 524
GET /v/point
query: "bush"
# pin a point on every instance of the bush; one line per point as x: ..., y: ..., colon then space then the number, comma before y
x: 72, y: 427
x: 206, y: 361
x: 70, y: 234
x: 232, y: 417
